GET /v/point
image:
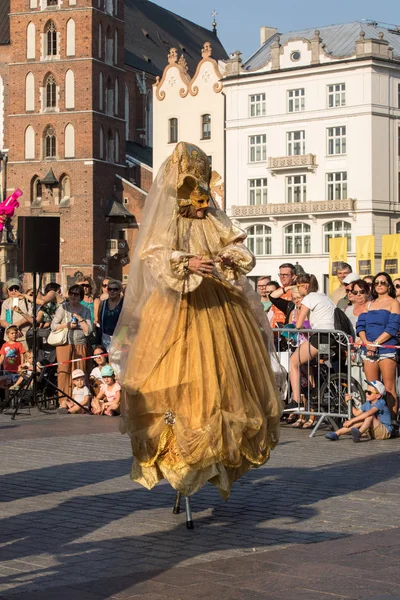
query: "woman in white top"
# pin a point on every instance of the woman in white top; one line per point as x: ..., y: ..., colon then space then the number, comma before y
x: 319, y: 310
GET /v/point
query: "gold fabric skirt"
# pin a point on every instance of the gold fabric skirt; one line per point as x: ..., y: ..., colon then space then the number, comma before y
x: 208, y: 409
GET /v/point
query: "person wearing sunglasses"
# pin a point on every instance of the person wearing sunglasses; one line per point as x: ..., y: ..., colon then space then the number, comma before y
x: 347, y: 282
x: 377, y: 328
x: 396, y: 283
x: 357, y: 294
x: 14, y: 308
x: 109, y: 312
x: 372, y: 417
x: 74, y: 317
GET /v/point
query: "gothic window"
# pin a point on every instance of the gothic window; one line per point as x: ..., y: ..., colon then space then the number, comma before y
x: 116, y: 96
x: 116, y: 47
x: 109, y: 47
x: 29, y: 143
x: 36, y: 190
x: 51, y: 92
x: 127, y: 112
x: 116, y: 147
x: 101, y: 91
x: 69, y: 90
x: 30, y: 41
x: 109, y: 6
x: 101, y: 143
x: 71, y: 38
x: 52, y: 2
x: 51, y: 39
x: 100, y: 39
x: 30, y: 93
x: 109, y: 97
x: 110, y: 147
x: 65, y: 188
x: 50, y: 143
x: 69, y: 141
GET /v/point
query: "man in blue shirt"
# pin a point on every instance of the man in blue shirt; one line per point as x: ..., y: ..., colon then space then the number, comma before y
x: 373, y: 416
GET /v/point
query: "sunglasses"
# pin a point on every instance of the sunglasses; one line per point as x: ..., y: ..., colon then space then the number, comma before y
x: 104, y: 284
x: 86, y: 285
x: 381, y: 282
x: 14, y: 288
x: 348, y: 290
x: 358, y: 293
x: 73, y: 294
x: 369, y: 393
x: 113, y: 289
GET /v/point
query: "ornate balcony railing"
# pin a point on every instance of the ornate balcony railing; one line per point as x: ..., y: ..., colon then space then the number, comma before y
x: 300, y: 161
x: 296, y: 208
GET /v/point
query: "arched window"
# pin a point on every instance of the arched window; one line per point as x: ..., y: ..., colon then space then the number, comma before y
x: 109, y: 47
x: 101, y: 143
x: 109, y: 6
x: 110, y: 147
x: 259, y: 240
x: 116, y: 8
x: 30, y: 92
x: 127, y: 113
x: 206, y: 127
x: 173, y: 131
x: 398, y: 227
x: 69, y: 141
x: 69, y: 90
x: 30, y: 41
x: 100, y: 40
x: 297, y: 238
x: 116, y: 147
x: 50, y: 143
x: 109, y: 97
x: 65, y: 188
x: 101, y: 91
x: 116, y: 96
x: 51, y: 92
x: 29, y: 143
x: 52, y: 2
x: 116, y: 47
x: 335, y: 229
x: 51, y: 39
x: 71, y: 37
x: 36, y: 190
x: 33, y: 3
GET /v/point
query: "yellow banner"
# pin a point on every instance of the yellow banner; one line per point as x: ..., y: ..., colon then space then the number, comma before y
x: 337, y: 253
x: 365, y: 255
x: 391, y: 254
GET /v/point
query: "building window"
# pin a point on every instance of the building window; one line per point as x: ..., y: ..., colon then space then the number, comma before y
x: 50, y: 143
x: 71, y: 37
x: 398, y: 227
x: 336, y: 140
x: 258, y: 191
x: 30, y: 93
x: 30, y: 41
x: 69, y: 90
x: 101, y: 143
x: 69, y: 141
x: 29, y: 143
x: 109, y: 47
x: 100, y: 40
x: 173, y: 131
x: 110, y: 147
x: 116, y: 147
x: 101, y: 91
x: 52, y: 2
x: 297, y: 238
x: 337, y: 185
x: 51, y: 39
x: 296, y: 143
x: 259, y: 240
x: 109, y: 6
x: 109, y: 98
x: 296, y: 188
x: 36, y: 190
x: 65, y: 186
x: 116, y: 96
x: 205, y: 127
x: 51, y: 92
x: 258, y: 107
x: 296, y: 100
x: 336, y: 95
x: 258, y: 148
x: 116, y: 47
x: 335, y: 229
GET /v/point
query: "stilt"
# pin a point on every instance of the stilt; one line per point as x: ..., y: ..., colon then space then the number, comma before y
x: 189, y: 520
x: 177, y: 506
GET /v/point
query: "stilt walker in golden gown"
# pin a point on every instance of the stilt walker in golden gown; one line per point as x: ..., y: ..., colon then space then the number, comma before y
x: 200, y: 399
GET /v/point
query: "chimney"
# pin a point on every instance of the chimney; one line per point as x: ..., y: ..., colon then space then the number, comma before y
x: 266, y: 33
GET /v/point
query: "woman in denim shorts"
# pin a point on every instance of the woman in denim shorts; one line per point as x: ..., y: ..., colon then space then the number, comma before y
x: 379, y: 326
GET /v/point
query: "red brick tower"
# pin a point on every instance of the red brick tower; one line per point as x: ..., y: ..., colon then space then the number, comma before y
x: 65, y: 123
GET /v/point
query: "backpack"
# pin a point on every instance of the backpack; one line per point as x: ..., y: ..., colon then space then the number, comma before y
x: 343, y: 323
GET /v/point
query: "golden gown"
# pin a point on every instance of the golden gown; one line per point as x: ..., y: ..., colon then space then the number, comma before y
x: 203, y: 405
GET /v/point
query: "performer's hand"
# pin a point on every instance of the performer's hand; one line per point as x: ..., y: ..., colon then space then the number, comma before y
x: 226, y: 261
x: 200, y: 265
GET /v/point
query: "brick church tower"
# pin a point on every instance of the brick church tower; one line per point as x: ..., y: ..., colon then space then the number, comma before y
x: 65, y: 103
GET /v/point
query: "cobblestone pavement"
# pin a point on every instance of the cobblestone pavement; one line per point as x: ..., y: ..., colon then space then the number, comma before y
x: 72, y: 517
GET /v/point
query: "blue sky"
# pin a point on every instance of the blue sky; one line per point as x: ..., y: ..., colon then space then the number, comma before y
x: 239, y: 22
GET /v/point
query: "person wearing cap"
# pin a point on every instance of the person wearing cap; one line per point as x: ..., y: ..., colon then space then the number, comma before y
x: 347, y: 282
x: 108, y: 399
x: 343, y: 269
x: 12, y: 307
x: 80, y: 394
x: 373, y: 416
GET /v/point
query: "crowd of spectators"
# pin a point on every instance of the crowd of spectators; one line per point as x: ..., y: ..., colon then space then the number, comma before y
x: 73, y: 330
x: 372, y: 307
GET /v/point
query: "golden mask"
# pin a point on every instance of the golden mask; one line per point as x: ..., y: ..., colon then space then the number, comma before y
x: 194, y: 174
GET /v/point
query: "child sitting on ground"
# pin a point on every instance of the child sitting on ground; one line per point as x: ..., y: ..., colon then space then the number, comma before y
x: 373, y: 416
x: 12, y: 353
x: 107, y: 401
x: 25, y: 370
x: 80, y: 394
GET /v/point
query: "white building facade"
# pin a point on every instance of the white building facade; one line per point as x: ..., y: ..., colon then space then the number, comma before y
x: 191, y: 109
x: 313, y: 143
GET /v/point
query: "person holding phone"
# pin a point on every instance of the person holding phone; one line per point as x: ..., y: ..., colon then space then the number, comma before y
x: 10, y: 316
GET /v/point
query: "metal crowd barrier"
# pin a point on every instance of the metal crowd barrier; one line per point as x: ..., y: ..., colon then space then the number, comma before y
x: 325, y: 379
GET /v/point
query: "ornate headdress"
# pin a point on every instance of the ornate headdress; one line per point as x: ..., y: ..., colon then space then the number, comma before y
x: 194, y: 174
